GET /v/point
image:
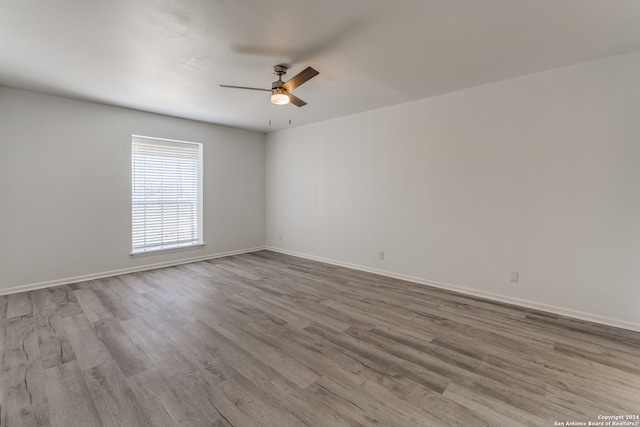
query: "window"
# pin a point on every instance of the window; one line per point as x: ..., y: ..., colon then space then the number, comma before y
x: 166, y: 194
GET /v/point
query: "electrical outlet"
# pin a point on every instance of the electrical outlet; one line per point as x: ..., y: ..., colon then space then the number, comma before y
x: 381, y: 254
x: 514, y: 277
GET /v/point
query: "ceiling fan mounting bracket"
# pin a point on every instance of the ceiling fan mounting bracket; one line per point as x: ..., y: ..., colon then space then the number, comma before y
x: 280, y: 70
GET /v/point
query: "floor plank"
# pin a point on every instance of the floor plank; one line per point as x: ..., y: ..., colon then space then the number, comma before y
x: 70, y: 402
x: 113, y: 397
x: 127, y: 354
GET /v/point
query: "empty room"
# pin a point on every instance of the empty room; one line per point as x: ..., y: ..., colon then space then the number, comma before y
x: 339, y: 213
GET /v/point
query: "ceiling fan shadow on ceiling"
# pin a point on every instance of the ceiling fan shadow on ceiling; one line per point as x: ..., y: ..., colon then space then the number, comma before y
x: 280, y: 90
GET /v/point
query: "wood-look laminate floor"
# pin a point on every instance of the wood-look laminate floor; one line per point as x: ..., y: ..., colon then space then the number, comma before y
x: 264, y: 339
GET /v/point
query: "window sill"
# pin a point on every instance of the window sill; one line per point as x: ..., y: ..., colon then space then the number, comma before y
x: 166, y: 251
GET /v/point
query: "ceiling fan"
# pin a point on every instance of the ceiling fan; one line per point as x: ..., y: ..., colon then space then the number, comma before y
x: 281, y: 91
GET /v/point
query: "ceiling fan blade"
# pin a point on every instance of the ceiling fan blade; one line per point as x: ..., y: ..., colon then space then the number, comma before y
x: 296, y: 101
x: 264, y: 50
x: 245, y: 87
x: 295, y: 81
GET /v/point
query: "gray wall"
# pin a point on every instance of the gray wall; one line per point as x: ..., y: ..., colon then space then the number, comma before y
x: 538, y: 174
x: 65, y: 187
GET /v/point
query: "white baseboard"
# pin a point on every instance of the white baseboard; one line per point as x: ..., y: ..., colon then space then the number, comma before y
x: 589, y: 317
x: 618, y: 323
x: 66, y: 281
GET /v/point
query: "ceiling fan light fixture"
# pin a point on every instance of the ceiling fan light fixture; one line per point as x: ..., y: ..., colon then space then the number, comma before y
x: 279, y: 97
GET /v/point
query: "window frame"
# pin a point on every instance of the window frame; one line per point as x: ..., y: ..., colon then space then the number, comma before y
x: 166, y: 247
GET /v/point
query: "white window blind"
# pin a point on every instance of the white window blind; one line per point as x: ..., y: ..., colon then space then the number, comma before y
x: 166, y: 194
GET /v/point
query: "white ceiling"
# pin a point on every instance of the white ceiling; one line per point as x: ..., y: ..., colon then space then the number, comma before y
x: 170, y: 56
